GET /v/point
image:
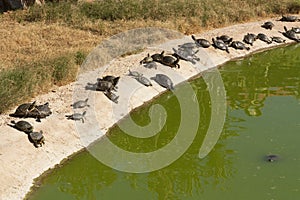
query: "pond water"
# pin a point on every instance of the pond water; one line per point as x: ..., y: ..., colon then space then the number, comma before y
x: 263, y: 118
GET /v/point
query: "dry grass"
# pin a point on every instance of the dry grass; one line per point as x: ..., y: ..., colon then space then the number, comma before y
x: 46, y: 38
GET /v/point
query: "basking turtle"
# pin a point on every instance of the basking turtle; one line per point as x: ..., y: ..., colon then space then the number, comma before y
x: 164, y: 81
x: 77, y: 116
x: 40, y: 111
x: 22, y: 126
x: 134, y: 73
x: 189, y: 45
x: 80, y: 104
x: 268, y: 25
x: 272, y: 158
x: 24, y: 109
x: 225, y: 38
x: 111, y: 96
x: 170, y: 61
x: 113, y: 79
x: 220, y: 45
x: 143, y: 80
x: 37, y: 138
x: 201, y: 42
x: 296, y: 29
x: 278, y: 39
x: 151, y: 65
x: 249, y: 38
x: 157, y: 57
x: 290, y: 34
x: 186, y: 55
x: 147, y: 59
x: 289, y: 18
x: 264, y: 38
x: 239, y: 45
x: 102, y: 85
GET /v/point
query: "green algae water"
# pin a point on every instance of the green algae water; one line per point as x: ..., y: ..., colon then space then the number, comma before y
x: 263, y: 118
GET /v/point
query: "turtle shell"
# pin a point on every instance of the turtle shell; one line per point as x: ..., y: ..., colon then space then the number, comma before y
x: 23, y: 126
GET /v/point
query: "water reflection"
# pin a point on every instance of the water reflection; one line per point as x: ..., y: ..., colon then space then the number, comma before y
x: 248, y: 86
x: 262, y: 76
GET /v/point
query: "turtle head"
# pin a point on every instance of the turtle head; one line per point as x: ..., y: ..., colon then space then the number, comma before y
x: 83, y: 114
x: 86, y: 100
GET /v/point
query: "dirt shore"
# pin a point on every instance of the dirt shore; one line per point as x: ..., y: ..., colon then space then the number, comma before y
x: 21, y: 162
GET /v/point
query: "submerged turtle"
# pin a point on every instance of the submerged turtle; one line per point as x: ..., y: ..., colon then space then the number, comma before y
x: 147, y: 59
x: 272, y: 158
x: 111, y: 96
x: 37, y: 138
x: 278, y: 39
x: 264, y: 38
x: 134, y: 73
x: 143, y: 80
x: 289, y: 18
x: 249, y: 38
x: 220, y: 45
x: 225, y: 38
x: 22, y: 126
x: 164, y: 81
x: 170, y: 61
x: 268, y: 25
x: 80, y: 104
x: 239, y: 45
x: 290, y: 34
x: 24, y: 109
x: 157, y: 57
x: 201, y: 42
x: 77, y: 116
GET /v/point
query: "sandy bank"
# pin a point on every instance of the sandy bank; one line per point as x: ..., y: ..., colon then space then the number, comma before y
x: 21, y: 162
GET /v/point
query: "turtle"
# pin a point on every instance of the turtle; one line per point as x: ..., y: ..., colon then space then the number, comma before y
x: 81, y: 104
x: 40, y: 111
x: 151, y: 65
x: 289, y: 18
x: 24, y: 126
x: 37, y: 138
x: 290, y: 34
x: 186, y: 55
x: 296, y: 29
x: 102, y: 85
x: 268, y: 25
x: 264, y: 38
x: 111, y: 96
x: 143, y: 80
x: 278, y: 39
x: 113, y: 79
x: 134, y: 73
x: 24, y: 109
x: 164, y: 81
x: 220, y: 45
x: 77, y: 116
x: 189, y: 45
x: 170, y: 61
x: 201, y: 42
x: 249, y: 38
x: 147, y: 59
x: 239, y: 45
x: 225, y: 38
x: 272, y: 158
x: 157, y: 57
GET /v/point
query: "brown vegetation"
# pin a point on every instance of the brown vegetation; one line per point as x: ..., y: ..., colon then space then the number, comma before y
x: 44, y: 45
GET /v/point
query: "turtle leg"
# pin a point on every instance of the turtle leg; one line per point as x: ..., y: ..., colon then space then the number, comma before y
x: 82, y: 120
